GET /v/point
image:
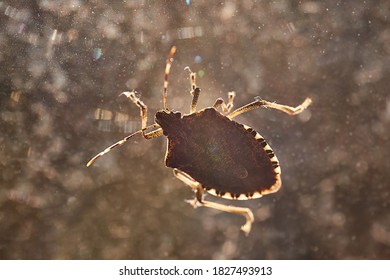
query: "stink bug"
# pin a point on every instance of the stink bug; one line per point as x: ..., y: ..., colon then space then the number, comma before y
x: 209, y: 151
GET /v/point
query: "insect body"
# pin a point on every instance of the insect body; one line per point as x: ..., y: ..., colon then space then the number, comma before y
x: 209, y: 151
x: 227, y: 158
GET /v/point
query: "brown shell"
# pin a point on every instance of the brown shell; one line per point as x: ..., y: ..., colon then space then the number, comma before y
x: 229, y: 159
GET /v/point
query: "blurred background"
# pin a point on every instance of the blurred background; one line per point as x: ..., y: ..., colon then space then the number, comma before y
x: 63, y: 65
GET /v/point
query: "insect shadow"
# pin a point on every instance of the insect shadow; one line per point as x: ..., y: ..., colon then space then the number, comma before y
x: 209, y: 151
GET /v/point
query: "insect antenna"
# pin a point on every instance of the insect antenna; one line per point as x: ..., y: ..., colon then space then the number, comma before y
x: 166, y: 75
x: 117, y: 144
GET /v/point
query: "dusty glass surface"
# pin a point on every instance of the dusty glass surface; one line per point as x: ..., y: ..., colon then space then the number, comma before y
x: 63, y: 65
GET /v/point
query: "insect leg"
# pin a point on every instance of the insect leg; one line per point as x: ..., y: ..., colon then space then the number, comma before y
x: 197, y: 188
x: 262, y: 103
x: 144, y: 117
x: 140, y: 104
x: 199, y: 201
x: 246, y: 212
x: 166, y: 75
x: 225, y: 107
x: 151, y: 134
x: 195, y: 91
